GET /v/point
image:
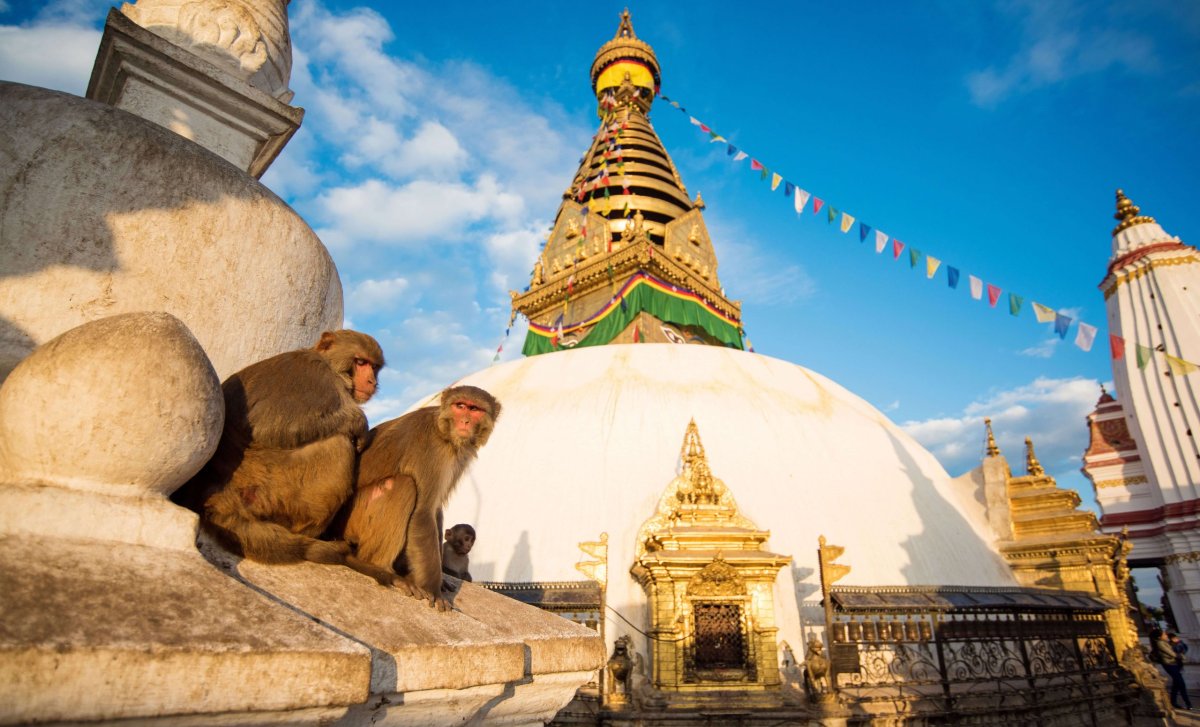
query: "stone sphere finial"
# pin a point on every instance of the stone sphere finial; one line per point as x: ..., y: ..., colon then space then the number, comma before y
x: 128, y: 404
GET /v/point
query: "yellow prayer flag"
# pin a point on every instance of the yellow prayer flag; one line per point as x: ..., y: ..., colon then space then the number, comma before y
x: 847, y: 222
x: 1179, y: 367
x: 775, y: 180
x: 931, y: 266
x: 1044, y: 314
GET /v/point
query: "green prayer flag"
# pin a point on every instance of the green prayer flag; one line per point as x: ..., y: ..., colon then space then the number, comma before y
x: 913, y: 256
x: 831, y: 212
x: 1014, y: 303
x: 1143, y: 355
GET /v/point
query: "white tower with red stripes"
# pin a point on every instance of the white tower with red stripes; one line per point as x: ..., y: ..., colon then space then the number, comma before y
x: 1144, y: 455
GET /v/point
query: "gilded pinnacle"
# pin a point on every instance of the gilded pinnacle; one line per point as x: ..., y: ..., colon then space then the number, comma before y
x: 1032, y: 466
x: 992, y: 449
x: 1128, y: 214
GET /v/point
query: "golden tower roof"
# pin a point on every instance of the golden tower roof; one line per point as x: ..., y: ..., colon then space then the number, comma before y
x: 625, y: 55
x: 1128, y: 214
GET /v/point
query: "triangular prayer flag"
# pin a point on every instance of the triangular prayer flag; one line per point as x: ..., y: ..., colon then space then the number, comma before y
x: 880, y: 241
x: 740, y: 156
x: 1014, y: 303
x: 695, y: 121
x: 1144, y: 354
x: 931, y: 266
x: 1061, y: 324
x: 913, y: 256
x: 788, y: 188
x: 831, y: 214
x: 731, y: 150
x: 775, y: 180
x: 1044, y: 314
x: 1116, y: 346
x: 897, y: 247
x: 1179, y: 367
x: 716, y: 137
x: 1085, y: 336
x: 801, y: 199
x: 847, y: 222
x: 976, y: 287
x: 817, y: 203
x: 863, y: 230
x: 705, y: 129
x: 755, y: 164
x: 664, y: 98
x: 952, y: 276
x: 993, y: 294
x: 764, y: 173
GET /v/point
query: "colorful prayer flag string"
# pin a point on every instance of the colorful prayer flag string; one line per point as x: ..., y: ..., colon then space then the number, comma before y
x: 1085, y: 333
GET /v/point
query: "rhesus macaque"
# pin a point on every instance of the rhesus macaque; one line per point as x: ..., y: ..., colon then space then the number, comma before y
x: 286, y: 459
x: 406, y: 475
x: 459, y: 541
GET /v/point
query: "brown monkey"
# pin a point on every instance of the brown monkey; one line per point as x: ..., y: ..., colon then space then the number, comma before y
x: 285, y: 462
x: 459, y: 541
x: 405, y: 477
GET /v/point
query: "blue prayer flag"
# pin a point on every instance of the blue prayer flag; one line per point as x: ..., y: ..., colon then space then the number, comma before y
x: 863, y: 230
x: 952, y: 276
x: 788, y: 188
x: 1061, y: 324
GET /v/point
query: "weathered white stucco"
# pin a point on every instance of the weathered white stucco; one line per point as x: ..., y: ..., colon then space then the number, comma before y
x: 102, y: 213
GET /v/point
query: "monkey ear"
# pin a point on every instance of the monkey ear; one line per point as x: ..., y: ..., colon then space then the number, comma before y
x: 449, y: 533
x: 326, y: 342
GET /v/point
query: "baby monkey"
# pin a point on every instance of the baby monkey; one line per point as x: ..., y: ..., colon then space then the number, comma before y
x: 459, y: 541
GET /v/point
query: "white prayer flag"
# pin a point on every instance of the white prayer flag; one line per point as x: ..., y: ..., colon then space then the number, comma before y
x: 801, y: 199
x: 880, y: 241
x: 976, y: 287
x: 1085, y: 336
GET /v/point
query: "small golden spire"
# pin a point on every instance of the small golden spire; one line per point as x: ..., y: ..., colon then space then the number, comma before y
x: 625, y: 29
x: 1032, y: 466
x: 992, y: 449
x: 1128, y: 214
x: 692, y: 448
x: 699, y: 203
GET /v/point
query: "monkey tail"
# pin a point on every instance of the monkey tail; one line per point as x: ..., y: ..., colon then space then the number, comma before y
x: 268, y: 542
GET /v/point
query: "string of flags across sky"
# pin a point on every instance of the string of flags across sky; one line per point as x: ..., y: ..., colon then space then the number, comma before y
x: 1085, y: 333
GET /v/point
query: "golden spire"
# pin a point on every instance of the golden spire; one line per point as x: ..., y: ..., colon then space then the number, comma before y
x: 992, y: 449
x: 699, y: 203
x: 1032, y: 466
x: 699, y: 488
x: 1128, y: 214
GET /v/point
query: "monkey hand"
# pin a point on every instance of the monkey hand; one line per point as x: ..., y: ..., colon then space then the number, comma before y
x: 448, y: 585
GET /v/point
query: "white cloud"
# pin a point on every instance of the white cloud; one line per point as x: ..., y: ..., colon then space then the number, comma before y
x: 370, y: 295
x: 1060, y: 40
x: 1050, y: 411
x: 57, y: 56
x: 379, y: 212
x: 1045, y: 349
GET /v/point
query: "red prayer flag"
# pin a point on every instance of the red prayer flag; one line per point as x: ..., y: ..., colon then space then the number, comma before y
x: 705, y: 129
x: 1116, y: 345
x: 818, y: 203
x: 993, y: 294
x: 755, y: 164
x: 897, y: 247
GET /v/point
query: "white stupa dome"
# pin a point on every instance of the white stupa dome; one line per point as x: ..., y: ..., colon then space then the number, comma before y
x: 589, y: 439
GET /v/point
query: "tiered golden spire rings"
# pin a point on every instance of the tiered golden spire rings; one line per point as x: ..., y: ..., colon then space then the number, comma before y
x: 1032, y: 466
x: 696, y: 470
x: 1128, y: 213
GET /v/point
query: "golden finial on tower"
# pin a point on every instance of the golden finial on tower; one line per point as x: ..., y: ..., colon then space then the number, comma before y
x: 1032, y: 466
x: 699, y: 203
x: 1128, y: 214
x: 625, y: 29
x: 992, y: 449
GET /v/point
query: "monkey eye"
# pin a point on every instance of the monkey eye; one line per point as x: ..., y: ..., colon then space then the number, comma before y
x: 360, y: 361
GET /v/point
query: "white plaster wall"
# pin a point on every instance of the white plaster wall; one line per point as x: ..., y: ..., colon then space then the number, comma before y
x: 102, y: 213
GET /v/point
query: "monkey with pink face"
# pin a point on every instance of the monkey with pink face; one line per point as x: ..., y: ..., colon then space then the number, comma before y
x: 406, y: 474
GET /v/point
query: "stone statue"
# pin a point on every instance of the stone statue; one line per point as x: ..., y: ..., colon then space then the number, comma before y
x: 816, y: 671
x: 792, y: 677
x: 619, y: 668
x: 645, y: 696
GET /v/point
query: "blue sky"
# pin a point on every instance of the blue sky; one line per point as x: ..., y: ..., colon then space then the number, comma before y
x: 439, y: 138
